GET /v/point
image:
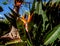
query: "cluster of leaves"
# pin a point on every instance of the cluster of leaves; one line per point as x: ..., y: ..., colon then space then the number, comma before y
x: 44, y: 28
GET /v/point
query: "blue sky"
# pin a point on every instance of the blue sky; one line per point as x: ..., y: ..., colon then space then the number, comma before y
x: 5, y: 7
x: 10, y: 4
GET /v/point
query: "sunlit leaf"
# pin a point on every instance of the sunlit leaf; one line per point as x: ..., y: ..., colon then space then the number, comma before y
x: 52, y: 2
x: 29, y: 44
x: 40, y: 11
x: 12, y: 42
x: 57, y: 1
x: 52, y: 36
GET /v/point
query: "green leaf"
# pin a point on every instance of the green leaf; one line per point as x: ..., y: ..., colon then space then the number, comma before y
x: 38, y: 7
x: 11, y: 20
x: 39, y: 11
x: 59, y: 37
x: 29, y: 43
x: 2, y: 45
x: 47, y: 26
x: 53, y: 1
x: 8, y: 18
x: 33, y: 6
x: 44, y: 20
x: 12, y: 42
x: 52, y: 36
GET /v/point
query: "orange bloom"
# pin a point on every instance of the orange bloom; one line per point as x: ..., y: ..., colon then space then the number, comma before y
x: 18, y: 3
x: 26, y: 20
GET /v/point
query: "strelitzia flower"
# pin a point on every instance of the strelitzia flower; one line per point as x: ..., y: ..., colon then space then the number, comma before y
x: 18, y: 2
x: 17, y: 5
x: 26, y: 19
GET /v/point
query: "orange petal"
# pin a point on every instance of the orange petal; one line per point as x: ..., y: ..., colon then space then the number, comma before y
x: 23, y: 16
x: 29, y: 18
x: 18, y: 3
x: 24, y: 21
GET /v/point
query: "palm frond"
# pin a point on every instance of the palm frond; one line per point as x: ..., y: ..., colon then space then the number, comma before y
x: 13, y: 12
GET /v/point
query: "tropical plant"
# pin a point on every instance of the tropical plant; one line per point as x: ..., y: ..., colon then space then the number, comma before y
x: 38, y: 27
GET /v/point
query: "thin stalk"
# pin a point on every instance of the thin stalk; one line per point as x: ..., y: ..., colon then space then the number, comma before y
x: 28, y: 34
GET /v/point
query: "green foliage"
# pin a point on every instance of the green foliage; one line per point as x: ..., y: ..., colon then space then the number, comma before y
x: 55, y: 1
x: 44, y: 27
x: 12, y: 17
x: 2, y: 45
x: 53, y: 35
x: 4, y: 28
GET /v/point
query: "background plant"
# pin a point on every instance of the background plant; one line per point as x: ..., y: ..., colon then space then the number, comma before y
x: 44, y: 27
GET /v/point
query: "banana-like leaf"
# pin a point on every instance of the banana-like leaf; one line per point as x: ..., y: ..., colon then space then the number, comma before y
x: 52, y: 2
x: 59, y: 37
x: 38, y: 7
x: 39, y: 11
x: 57, y: 1
x: 44, y: 20
x: 29, y: 44
x: 52, y: 36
